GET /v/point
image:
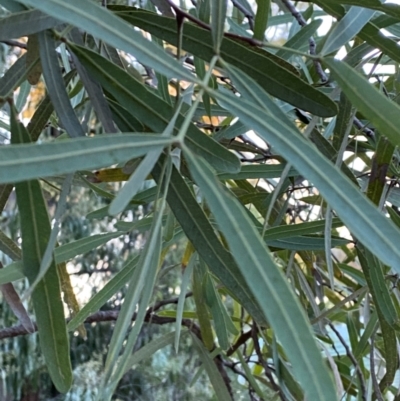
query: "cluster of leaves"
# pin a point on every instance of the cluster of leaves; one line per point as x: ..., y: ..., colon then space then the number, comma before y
x: 256, y: 155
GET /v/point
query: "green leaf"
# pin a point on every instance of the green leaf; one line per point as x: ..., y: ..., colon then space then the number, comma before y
x: 44, y: 111
x: 255, y: 262
x: 114, y: 285
x: 291, y: 230
x: 187, y: 275
x: 218, y: 15
x: 47, y: 303
x: 14, y: 77
x: 383, y: 113
x: 202, y: 313
x: 201, y: 234
x: 9, y: 247
x: 345, y: 30
x: 102, y: 24
x: 258, y: 171
x: 152, y: 347
x: 25, y: 23
x: 370, y: 33
x: 12, y: 272
x: 304, y: 243
x: 213, y: 373
x: 153, y: 111
x: 278, y: 81
x: 216, y: 308
x: 68, y: 251
x: 94, y: 90
x: 261, y: 19
x: 24, y: 162
x: 55, y: 86
x: 12, y: 5
x: 362, y: 218
x: 138, y: 295
x: 98, y: 300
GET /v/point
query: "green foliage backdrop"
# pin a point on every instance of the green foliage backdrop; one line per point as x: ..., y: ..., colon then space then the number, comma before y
x: 258, y: 149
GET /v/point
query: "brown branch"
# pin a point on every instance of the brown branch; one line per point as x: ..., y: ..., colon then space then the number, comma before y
x: 112, y: 315
x: 241, y: 340
x: 264, y: 364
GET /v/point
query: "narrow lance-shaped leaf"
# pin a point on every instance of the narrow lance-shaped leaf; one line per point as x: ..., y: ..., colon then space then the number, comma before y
x: 25, y: 23
x: 379, y: 109
x: 221, y: 391
x: 49, y: 310
x: 152, y: 111
x: 23, y: 162
x: 94, y: 90
x: 48, y: 255
x: 280, y: 81
x: 199, y: 231
x: 14, y: 76
x: 218, y: 14
x: 261, y: 273
x: 370, y: 33
x: 362, y: 218
x: 55, y: 85
x: 102, y: 24
x: 141, y: 172
x: 32, y: 55
x: 261, y: 19
x: 347, y: 28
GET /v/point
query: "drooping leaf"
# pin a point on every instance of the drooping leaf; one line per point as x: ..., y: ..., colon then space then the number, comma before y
x: 346, y: 28
x: 382, y: 112
x: 199, y: 231
x: 94, y: 90
x: 23, y: 162
x: 49, y: 312
x: 255, y: 262
x: 55, y: 86
x: 221, y: 391
x: 368, y: 224
x: 218, y: 15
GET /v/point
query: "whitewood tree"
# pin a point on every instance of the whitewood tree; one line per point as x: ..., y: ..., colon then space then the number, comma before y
x: 274, y: 162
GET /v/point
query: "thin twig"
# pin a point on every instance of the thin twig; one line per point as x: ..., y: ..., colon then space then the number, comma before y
x: 241, y: 340
x: 112, y: 315
x: 190, y: 17
x: 14, y: 43
x: 353, y: 360
x: 248, y: 14
x: 264, y: 364
x: 367, y: 131
x: 313, y: 46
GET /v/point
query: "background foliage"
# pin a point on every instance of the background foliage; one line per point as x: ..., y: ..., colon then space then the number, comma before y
x: 199, y: 200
